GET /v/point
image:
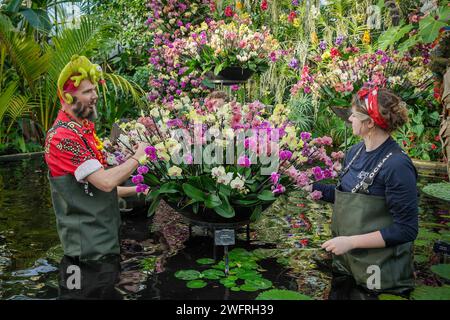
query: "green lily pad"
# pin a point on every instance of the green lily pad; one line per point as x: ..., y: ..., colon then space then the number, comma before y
x: 442, y: 270
x: 228, y: 283
x: 390, y: 297
x: 239, y: 254
x: 213, y: 274
x: 231, y: 278
x: 260, y: 283
x: 188, y: 274
x: 205, y: 261
x: 248, y: 265
x: 261, y: 253
x: 438, y: 190
x: 235, y: 289
x: 431, y: 293
x: 277, y: 294
x: 221, y: 265
x: 248, y: 274
x: 196, y: 284
x: 248, y: 288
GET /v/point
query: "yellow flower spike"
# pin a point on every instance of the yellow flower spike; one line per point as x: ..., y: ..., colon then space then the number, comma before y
x: 239, y: 5
x: 314, y: 38
x: 366, y: 37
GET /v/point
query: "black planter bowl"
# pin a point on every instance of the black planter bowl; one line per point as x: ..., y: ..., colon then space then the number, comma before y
x: 236, y: 74
x: 208, y: 217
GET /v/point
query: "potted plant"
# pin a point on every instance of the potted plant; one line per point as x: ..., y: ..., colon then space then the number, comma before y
x: 224, y: 161
x: 232, y: 51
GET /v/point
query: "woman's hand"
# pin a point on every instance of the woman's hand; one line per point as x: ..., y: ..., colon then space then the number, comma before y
x: 339, y: 245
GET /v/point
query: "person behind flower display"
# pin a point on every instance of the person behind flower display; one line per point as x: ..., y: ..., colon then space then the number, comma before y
x: 375, y: 213
x: 84, y: 194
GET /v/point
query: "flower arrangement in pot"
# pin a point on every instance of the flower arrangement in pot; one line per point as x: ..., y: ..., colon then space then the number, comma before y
x: 334, y: 75
x: 231, y: 50
x: 223, y: 158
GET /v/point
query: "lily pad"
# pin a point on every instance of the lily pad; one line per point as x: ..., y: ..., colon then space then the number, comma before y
x: 260, y: 283
x: 277, y: 294
x: 438, y: 190
x: 213, y: 274
x: 221, y: 265
x: 442, y: 270
x: 261, y: 253
x: 239, y: 254
x: 228, y: 283
x: 248, y: 288
x: 235, y: 289
x: 188, y: 274
x: 206, y: 261
x: 390, y: 297
x: 431, y: 293
x: 248, y: 265
x: 248, y: 274
x: 196, y: 284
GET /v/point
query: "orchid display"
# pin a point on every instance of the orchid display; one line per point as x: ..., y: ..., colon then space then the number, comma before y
x: 217, y: 45
x: 170, y: 23
x: 335, y: 74
x: 226, y: 158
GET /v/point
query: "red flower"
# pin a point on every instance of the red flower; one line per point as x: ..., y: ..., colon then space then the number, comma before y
x: 437, y: 138
x: 334, y: 52
x: 437, y: 93
x: 304, y: 242
x: 292, y: 16
x: 229, y: 12
x: 264, y: 5
x: 212, y: 6
x: 404, y: 143
x: 433, y: 146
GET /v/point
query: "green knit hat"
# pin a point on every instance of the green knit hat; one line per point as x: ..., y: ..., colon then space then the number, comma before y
x: 78, y: 69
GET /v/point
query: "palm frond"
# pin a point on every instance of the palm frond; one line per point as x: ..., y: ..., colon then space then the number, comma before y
x: 18, y: 108
x: 12, y: 107
x: 23, y: 53
x: 126, y: 87
x: 5, y: 99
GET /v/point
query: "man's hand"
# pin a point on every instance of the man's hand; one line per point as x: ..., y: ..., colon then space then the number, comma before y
x: 339, y: 245
x: 140, y: 150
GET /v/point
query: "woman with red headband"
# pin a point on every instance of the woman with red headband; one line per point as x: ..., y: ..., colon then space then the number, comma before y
x: 375, y: 212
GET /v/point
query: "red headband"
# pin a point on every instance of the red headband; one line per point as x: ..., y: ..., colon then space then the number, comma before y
x: 372, y: 105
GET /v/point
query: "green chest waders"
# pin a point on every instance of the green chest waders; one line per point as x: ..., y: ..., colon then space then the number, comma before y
x: 357, y: 213
x: 88, y: 220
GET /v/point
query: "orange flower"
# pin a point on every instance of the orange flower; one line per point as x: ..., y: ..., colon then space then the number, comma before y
x: 366, y: 37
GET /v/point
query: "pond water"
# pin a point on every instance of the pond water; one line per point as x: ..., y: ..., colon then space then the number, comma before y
x: 283, y: 251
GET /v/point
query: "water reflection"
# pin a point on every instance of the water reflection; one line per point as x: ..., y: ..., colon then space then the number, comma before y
x: 89, y: 280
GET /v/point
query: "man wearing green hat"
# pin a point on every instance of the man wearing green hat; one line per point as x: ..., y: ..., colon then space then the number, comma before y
x: 84, y: 194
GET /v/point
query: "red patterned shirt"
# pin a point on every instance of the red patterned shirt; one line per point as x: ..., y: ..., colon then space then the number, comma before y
x: 70, y: 148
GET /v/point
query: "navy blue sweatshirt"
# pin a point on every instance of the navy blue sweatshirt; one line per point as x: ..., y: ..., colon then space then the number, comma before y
x: 396, y: 181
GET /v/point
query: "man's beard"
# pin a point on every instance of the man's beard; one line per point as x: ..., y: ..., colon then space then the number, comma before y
x: 84, y: 112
